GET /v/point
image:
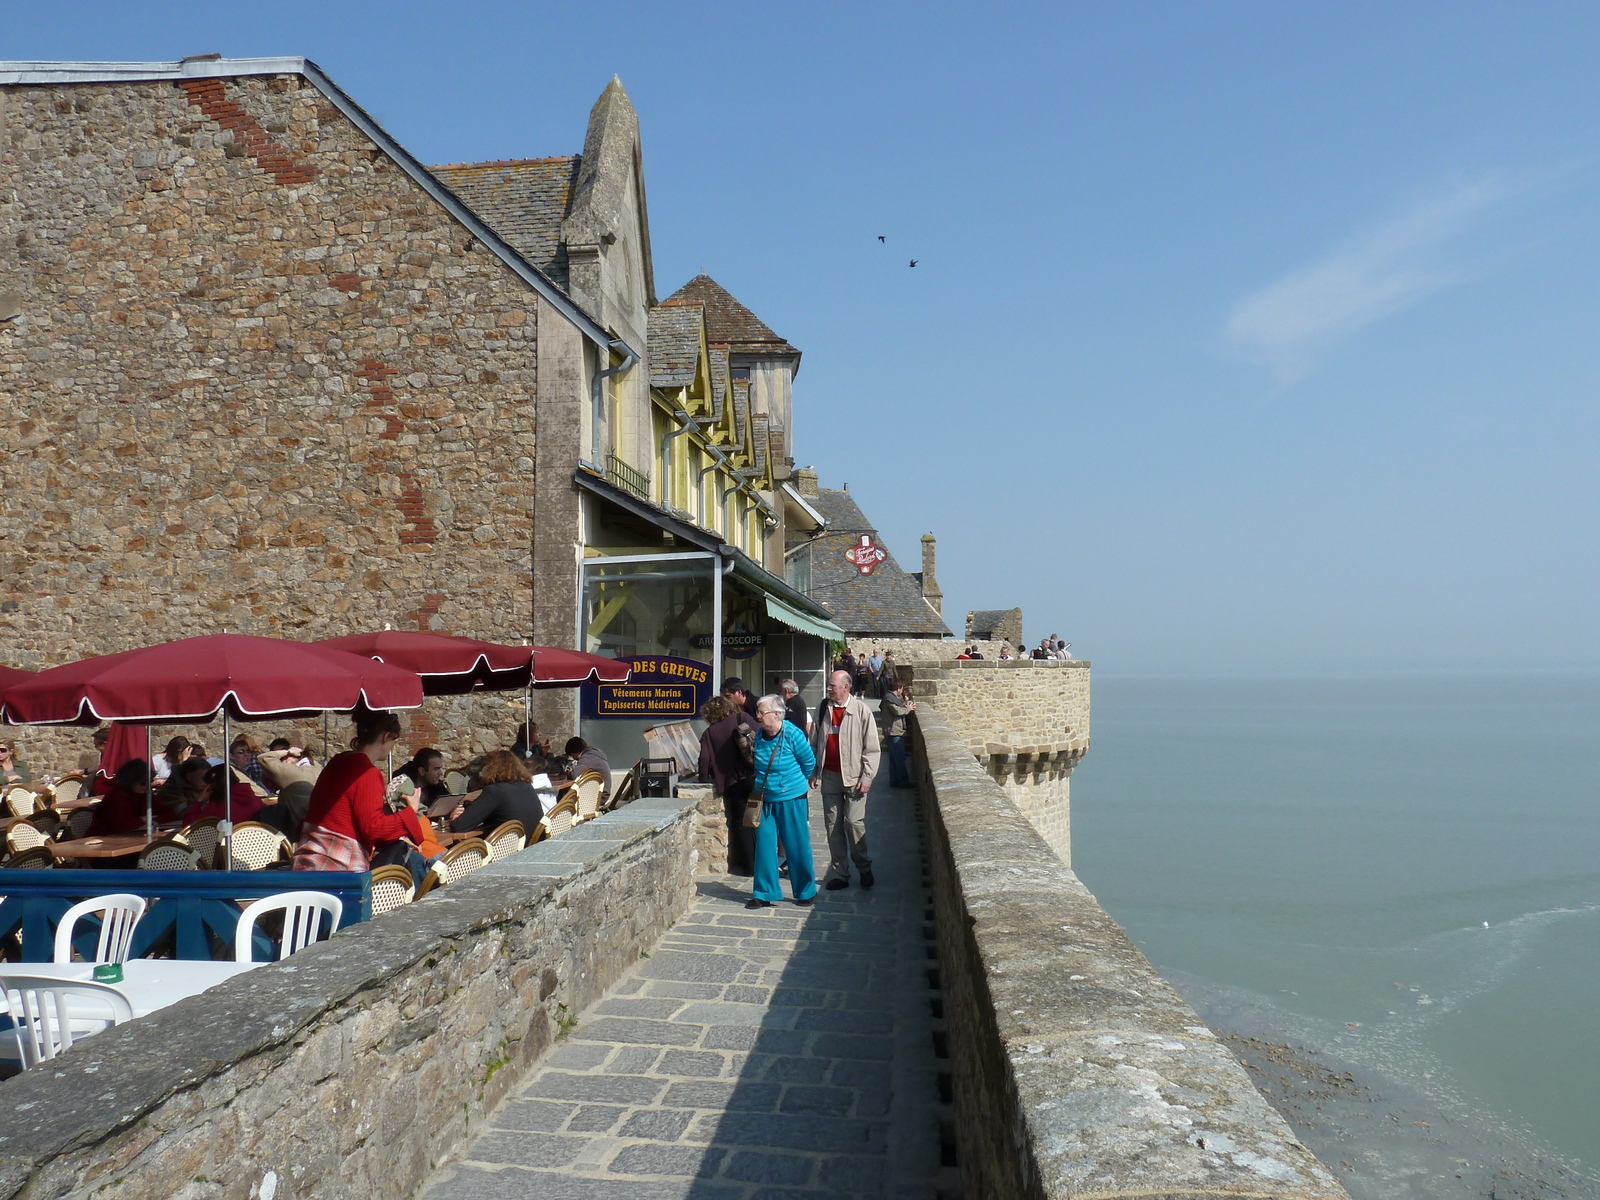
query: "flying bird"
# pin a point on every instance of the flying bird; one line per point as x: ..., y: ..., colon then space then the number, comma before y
x: 881, y: 238
x: 913, y: 262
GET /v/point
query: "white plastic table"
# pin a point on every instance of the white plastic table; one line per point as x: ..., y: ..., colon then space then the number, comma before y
x: 148, y: 983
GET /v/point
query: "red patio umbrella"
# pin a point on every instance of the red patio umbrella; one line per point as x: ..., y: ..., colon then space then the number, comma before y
x: 191, y: 680
x: 554, y: 667
x: 447, y: 665
x: 10, y: 675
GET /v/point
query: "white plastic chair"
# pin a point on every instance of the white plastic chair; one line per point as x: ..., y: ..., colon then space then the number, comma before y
x: 302, y: 921
x: 119, y: 914
x: 41, y: 1010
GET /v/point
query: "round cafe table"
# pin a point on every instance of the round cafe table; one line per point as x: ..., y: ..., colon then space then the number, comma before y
x: 117, y: 845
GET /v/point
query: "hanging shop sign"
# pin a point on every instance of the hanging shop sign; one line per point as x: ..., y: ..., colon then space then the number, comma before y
x: 741, y: 637
x: 866, y: 554
x: 659, y: 688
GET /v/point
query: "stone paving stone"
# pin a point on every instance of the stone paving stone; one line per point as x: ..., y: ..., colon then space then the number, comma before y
x: 699, y: 1063
x: 595, y: 1118
x: 771, y: 1054
x: 646, y: 1033
x: 658, y: 1125
x: 508, y: 1146
x: 667, y: 1160
x: 633, y: 1060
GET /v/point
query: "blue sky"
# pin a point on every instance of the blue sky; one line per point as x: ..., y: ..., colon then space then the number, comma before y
x: 1243, y: 336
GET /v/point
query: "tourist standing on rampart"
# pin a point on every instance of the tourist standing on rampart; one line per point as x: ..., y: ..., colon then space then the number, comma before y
x: 783, y: 765
x: 894, y: 710
x: 727, y: 759
x: 845, y: 740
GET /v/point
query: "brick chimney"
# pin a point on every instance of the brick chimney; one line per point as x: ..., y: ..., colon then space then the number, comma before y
x: 930, y: 584
x: 805, y: 482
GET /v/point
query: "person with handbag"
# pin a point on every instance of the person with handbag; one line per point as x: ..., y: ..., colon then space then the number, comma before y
x: 777, y: 807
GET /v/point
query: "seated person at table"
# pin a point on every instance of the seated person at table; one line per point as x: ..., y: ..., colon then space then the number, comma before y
x: 347, y: 817
x: 242, y: 758
x: 246, y: 804
x: 178, y: 749
x: 548, y: 796
x: 590, y: 758
x: 12, y: 768
x: 89, y: 760
x: 415, y: 856
x: 529, y: 741
x: 122, y: 809
x: 508, y: 795
x: 184, y: 794
x: 426, y: 770
x: 290, y: 770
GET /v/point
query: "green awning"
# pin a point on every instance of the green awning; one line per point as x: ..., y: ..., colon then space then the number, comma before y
x: 795, y: 619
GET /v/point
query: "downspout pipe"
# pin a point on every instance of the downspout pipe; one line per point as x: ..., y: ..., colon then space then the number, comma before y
x: 690, y: 425
x: 628, y: 360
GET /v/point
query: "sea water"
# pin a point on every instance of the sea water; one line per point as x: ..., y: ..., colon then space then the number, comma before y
x: 1402, y: 871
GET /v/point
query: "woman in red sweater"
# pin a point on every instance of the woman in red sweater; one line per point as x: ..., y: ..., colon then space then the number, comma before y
x: 347, y: 815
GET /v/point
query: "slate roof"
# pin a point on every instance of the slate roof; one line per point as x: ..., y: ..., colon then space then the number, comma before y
x: 729, y: 321
x: 674, y: 343
x: 524, y: 201
x: 887, y: 603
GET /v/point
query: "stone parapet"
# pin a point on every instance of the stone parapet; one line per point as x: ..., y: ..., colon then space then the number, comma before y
x: 1026, y: 721
x: 355, y: 1066
x: 1077, y: 1070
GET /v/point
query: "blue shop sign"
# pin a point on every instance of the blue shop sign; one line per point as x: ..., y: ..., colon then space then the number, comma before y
x: 659, y: 688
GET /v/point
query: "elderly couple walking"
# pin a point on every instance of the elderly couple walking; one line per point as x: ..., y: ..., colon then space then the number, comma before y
x: 842, y: 754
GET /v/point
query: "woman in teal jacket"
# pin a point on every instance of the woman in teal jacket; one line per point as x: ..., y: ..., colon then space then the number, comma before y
x: 784, y: 764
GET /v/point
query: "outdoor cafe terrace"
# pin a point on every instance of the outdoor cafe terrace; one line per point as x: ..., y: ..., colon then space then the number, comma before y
x: 99, y: 927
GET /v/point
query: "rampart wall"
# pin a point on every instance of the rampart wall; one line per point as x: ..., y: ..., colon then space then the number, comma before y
x: 352, y: 1068
x: 1077, y: 1070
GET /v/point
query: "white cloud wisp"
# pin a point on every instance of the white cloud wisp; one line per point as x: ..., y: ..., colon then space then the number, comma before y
x: 1288, y: 323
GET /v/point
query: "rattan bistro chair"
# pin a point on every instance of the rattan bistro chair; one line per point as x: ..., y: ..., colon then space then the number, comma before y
x: 167, y: 854
x: 392, y: 888
x: 28, y: 833
x: 118, y: 912
x: 37, y: 859
x: 204, y: 839
x: 458, y: 862
x: 68, y: 788
x: 21, y: 800
x: 587, y: 788
x: 42, y: 1015
x: 78, y: 823
x: 506, y: 840
x: 257, y: 845
x: 560, y: 818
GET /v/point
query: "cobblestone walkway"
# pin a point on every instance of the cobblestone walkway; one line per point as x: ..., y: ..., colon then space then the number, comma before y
x: 776, y: 1053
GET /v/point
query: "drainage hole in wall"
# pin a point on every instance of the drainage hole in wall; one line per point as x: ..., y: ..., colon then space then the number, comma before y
x: 947, y: 1143
x: 933, y: 979
x: 933, y: 953
x: 927, y: 932
x: 937, y: 1007
x: 941, y: 1043
x: 947, y: 1088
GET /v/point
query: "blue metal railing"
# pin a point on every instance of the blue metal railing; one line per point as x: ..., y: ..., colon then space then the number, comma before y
x: 199, y: 910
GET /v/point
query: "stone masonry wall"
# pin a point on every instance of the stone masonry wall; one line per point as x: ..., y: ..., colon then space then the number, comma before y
x: 262, y: 382
x: 1078, y: 1072
x: 355, y: 1067
x: 1027, y: 722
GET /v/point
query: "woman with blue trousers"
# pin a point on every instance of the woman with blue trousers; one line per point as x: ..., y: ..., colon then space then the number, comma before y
x: 784, y: 763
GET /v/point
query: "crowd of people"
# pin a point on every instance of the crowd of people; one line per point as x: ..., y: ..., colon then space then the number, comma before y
x: 1050, y: 647
x: 763, y: 756
x: 346, y: 814
x: 872, y: 675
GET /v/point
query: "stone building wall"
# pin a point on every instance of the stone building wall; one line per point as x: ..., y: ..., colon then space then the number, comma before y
x: 262, y: 382
x: 1027, y: 722
x: 907, y: 649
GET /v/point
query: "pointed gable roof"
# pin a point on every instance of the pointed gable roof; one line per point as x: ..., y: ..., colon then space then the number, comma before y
x: 522, y: 200
x: 730, y: 322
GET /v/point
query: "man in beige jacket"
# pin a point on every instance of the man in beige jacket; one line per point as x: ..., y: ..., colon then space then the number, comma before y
x: 845, y: 740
